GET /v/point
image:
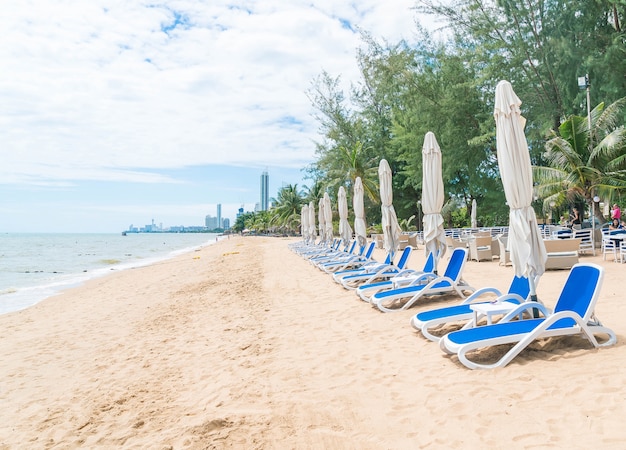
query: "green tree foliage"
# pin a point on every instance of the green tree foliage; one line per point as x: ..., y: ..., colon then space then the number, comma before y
x: 342, y: 155
x: 241, y: 220
x: 313, y: 193
x: 584, y: 162
x: 287, y: 205
x: 541, y: 46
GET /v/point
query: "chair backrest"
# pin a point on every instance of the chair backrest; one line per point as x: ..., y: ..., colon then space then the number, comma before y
x: 429, y: 265
x: 365, y: 251
x: 520, y: 286
x: 387, y: 262
x: 404, y: 258
x: 456, y: 264
x: 608, y: 243
x: 581, y: 290
x: 454, y: 243
x: 482, y: 241
x: 349, y: 247
x: 585, y: 235
x: 370, y: 250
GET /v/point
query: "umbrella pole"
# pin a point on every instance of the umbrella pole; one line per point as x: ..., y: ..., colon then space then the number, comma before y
x: 533, y: 295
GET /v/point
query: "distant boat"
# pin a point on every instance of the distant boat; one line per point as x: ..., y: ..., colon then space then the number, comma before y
x: 123, y: 233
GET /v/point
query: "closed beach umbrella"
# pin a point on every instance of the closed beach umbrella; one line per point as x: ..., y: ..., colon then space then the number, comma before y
x: 432, y: 199
x: 312, y: 230
x: 360, y: 226
x: 321, y: 222
x: 474, y: 222
x: 304, y: 222
x: 391, y: 229
x: 345, y: 231
x: 328, y: 219
x: 528, y: 253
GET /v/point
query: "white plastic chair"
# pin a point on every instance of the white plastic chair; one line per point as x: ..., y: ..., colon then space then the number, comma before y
x: 622, y: 251
x: 608, y: 247
x: 585, y: 243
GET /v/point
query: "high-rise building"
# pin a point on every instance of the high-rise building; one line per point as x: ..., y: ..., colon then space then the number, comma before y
x: 265, y: 189
x: 220, y: 224
x: 210, y: 222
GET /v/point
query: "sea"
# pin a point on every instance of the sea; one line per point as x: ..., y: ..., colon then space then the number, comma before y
x: 37, y: 266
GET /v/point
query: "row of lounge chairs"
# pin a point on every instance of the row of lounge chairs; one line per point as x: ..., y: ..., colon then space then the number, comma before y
x: 465, y: 327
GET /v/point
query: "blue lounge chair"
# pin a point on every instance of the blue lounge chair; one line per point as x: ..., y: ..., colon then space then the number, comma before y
x: 573, y: 315
x: 450, y: 282
x: 427, y: 321
x: 402, y: 278
x: 381, y: 273
x: 321, y: 248
x: 337, y: 255
x: 350, y: 261
x: 369, y: 265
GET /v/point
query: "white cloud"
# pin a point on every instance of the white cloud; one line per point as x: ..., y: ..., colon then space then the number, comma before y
x: 120, y: 111
x: 109, y: 90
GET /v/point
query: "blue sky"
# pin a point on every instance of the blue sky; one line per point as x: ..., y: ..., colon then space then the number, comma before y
x: 117, y: 113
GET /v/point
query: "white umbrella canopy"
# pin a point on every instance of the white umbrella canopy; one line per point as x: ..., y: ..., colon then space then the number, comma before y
x: 391, y: 229
x: 320, y: 218
x: 304, y: 222
x: 432, y: 198
x: 528, y: 253
x: 328, y: 219
x: 474, y: 222
x: 312, y: 229
x: 345, y: 231
x: 360, y: 226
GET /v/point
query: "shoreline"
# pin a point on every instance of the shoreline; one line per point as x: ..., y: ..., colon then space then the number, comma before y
x: 26, y: 296
x: 244, y: 344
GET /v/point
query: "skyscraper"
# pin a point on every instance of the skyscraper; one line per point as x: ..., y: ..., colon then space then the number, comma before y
x: 265, y: 188
x: 219, y: 216
x: 210, y: 222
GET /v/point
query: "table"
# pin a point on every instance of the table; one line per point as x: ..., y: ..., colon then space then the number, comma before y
x: 491, y: 309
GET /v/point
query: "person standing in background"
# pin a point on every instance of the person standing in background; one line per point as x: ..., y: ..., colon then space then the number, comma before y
x: 616, y: 213
x: 575, y: 215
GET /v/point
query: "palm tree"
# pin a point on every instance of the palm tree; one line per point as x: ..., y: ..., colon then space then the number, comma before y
x: 241, y: 220
x: 353, y: 162
x: 287, y: 206
x: 583, y: 161
x: 405, y: 224
x: 314, y: 193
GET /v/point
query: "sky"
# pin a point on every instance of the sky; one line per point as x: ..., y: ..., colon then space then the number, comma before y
x: 117, y: 112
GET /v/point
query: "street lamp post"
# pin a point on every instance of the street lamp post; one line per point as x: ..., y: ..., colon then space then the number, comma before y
x: 419, y: 215
x: 594, y: 200
x: 583, y: 83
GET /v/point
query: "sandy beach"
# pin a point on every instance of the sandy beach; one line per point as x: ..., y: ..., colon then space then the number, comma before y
x: 245, y: 345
